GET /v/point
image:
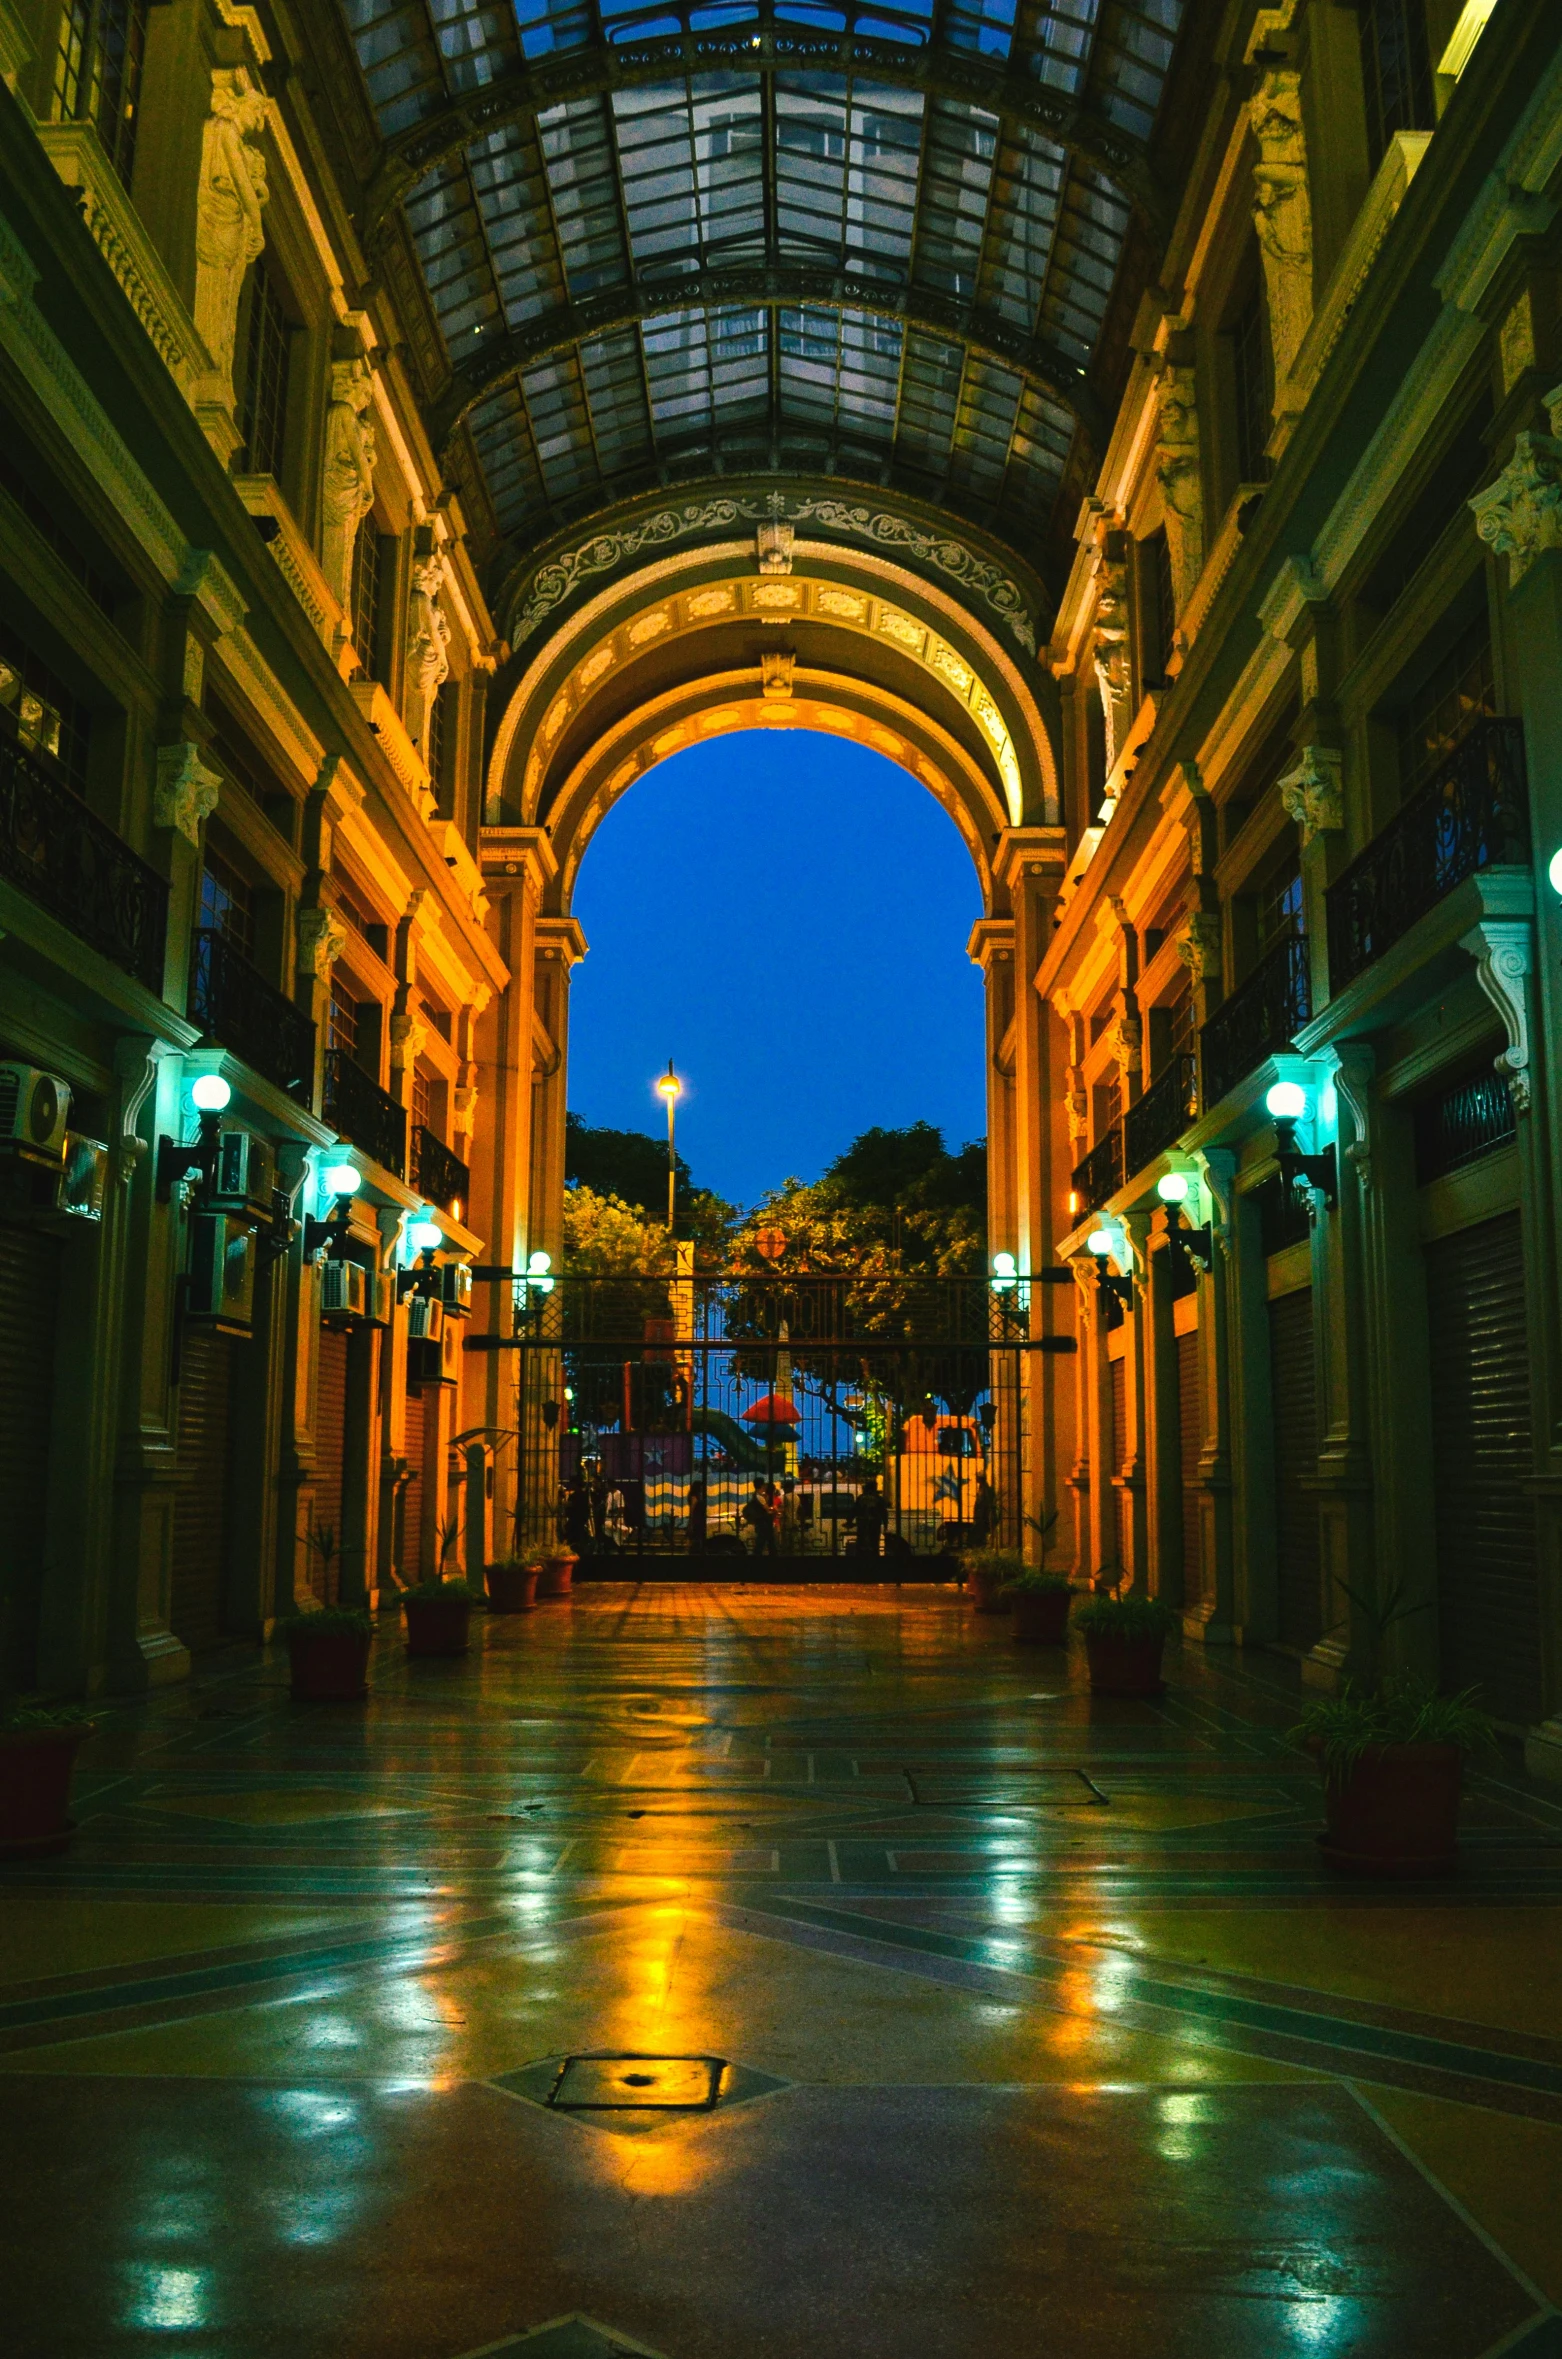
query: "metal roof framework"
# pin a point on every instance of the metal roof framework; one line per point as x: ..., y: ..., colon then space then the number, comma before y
x: 670, y: 242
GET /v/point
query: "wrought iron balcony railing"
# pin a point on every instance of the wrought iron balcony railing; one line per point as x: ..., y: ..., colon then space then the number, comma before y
x: 1261, y: 1017
x: 1101, y: 1173
x: 440, y: 1176
x: 62, y: 856
x: 1473, y: 813
x: 233, y: 1003
x: 361, y: 1111
x: 1158, y: 1119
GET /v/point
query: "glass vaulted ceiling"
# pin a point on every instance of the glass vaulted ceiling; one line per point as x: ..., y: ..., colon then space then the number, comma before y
x: 913, y: 230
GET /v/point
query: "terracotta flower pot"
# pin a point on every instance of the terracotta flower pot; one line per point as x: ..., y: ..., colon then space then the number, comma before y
x: 987, y: 1590
x: 1041, y: 1616
x: 1124, y: 1666
x: 437, y: 1625
x: 1395, y: 1812
x: 557, y: 1575
x: 35, y: 1784
x: 329, y: 1666
x: 512, y: 1588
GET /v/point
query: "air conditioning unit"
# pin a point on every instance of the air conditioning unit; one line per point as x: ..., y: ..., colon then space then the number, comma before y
x: 222, y: 1273
x: 344, y: 1292
x: 455, y: 1289
x: 425, y: 1318
x: 34, y: 1108
x: 84, y: 1180
x: 246, y: 1172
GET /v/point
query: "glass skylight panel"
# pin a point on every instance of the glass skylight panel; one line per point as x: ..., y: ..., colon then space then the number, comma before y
x: 615, y: 397
x: 447, y: 234
x: 929, y: 396
x: 400, y: 62
x: 871, y: 349
x: 1062, y: 41
x: 702, y: 362
x: 1133, y: 58
x: 986, y: 26
x: 1022, y: 224
x: 984, y: 428
x: 512, y: 197
x: 952, y: 211
x: 1091, y: 231
x: 692, y: 157
x: 846, y: 172
x: 476, y: 40
x: 502, y: 438
x: 546, y: 25
x: 582, y: 166
x: 555, y: 397
x: 1038, y: 455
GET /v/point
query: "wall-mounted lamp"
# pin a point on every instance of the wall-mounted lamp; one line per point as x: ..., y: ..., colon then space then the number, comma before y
x: 1103, y: 1243
x: 340, y: 1181
x: 1005, y: 1272
x: 210, y: 1095
x: 1287, y: 1105
x: 1194, y: 1244
x: 1554, y: 872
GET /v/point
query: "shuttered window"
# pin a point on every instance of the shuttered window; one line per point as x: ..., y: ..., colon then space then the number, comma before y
x: 1487, y: 1568
x: 1190, y: 1441
x: 411, y: 1559
x: 330, y: 1441
x: 29, y: 1306
x: 200, y: 1532
x: 1124, y: 1508
x: 1294, y: 1394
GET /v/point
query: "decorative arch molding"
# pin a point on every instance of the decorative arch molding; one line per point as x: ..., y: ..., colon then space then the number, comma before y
x: 698, y: 711
x: 546, y: 580
x: 856, y: 597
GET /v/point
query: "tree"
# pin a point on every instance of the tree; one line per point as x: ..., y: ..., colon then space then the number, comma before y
x: 629, y: 1168
x: 896, y: 1203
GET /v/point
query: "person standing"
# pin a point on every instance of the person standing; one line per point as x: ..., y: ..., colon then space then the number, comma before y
x: 760, y: 1518
x: 698, y: 1510
x: 871, y: 1518
x: 577, y: 1516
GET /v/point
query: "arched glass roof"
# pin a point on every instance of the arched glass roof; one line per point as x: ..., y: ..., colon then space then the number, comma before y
x: 668, y: 241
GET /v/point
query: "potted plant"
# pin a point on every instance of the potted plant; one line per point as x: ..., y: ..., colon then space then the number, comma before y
x: 439, y: 1616
x: 990, y: 1573
x: 1040, y: 1601
x: 1124, y: 1637
x: 1392, y: 1756
x: 512, y: 1586
x: 556, y: 1574
x: 328, y: 1653
x: 38, y: 1748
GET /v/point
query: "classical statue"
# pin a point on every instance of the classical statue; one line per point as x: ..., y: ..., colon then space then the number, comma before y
x: 1282, y: 212
x: 428, y: 647
x: 347, y: 488
x: 229, y: 226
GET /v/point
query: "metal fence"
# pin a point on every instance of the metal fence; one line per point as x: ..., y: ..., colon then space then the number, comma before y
x: 811, y: 1422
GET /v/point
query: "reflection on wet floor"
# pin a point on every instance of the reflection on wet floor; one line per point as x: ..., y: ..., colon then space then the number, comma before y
x: 1034, y: 2020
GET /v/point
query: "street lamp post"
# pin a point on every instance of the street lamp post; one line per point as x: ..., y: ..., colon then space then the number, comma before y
x: 670, y: 1088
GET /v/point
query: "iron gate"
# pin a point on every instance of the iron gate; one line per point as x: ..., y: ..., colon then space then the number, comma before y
x: 805, y: 1421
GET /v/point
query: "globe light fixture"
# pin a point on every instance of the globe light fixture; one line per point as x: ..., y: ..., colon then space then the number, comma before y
x: 1100, y: 1242
x: 1003, y: 1265
x: 1554, y: 872
x: 1287, y: 1101
x: 210, y: 1094
x: 539, y: 1265
x: 1172, y: 1187
x: 424, y: 1235
x: 340, y: 1179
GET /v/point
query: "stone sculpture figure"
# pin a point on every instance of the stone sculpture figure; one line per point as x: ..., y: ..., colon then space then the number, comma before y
x: 1282, y: 212
x: 347, y: 492
x: 1113, y: 669
x: 428, y: 647
x: 229, y: 223
x: 1182, y: 481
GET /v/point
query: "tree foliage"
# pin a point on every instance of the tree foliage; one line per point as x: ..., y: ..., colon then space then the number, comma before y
x: 895, y: 1203
x: 629, y: 1168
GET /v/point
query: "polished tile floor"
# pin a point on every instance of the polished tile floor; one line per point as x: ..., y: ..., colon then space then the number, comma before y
x: 753, y: 1974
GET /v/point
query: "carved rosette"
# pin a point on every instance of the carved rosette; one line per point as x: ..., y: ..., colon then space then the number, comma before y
x: 1198, y: 946
x: 1282, y: 211
x: 322, y: 938
x: 347, y: 488
x: 1181, y: 479
x: 186, y: 791
x: 1313, y: 794
x: 229, y: 210
x: 1520, y: 515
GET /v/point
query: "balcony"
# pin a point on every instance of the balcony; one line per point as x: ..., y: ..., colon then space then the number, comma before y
x: 1473, y: 813
x: 1158, y: 1119
x: 57, y: 852
x: 440, y: 1176
x: 1101, y: 1173
x: 1260, y: 1019
x: 360, y: 1110
x: 233, y: 1003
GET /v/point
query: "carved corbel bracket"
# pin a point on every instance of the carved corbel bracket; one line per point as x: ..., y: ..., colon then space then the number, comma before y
x: 1520, y: 515
x: 1503, y: 952
x: 136, y: 1059
x: 1198, y: 946
x: 1355, y: 1067
x: 408, y: 1034
x: 186, y: 791
x: 1313, y: 794
x: 322, y: 938
x: 1218, y: 1167
x: 773, y: 543
x: 1126, y: 1040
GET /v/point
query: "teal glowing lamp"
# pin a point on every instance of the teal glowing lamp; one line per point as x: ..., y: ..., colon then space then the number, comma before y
x: 1287, y: 1101
x: 1100, y: 1242
x: 1172, y: 1187
x: 340, y: 1179
x: 210, y: 1094
x: 1305, y: 1176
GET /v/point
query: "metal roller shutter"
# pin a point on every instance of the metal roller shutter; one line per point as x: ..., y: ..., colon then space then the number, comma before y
x: 1119, y: 1455
x: 411, y: 1566
x: 1294, y: 1394
x: 201, y: 1501
x: 1190, y: 1441
x: 1487, y: 1559
x: 29, y: 1310
x: 330, y: 1440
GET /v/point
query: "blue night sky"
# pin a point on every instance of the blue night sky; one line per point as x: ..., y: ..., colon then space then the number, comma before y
x: 786, y: 917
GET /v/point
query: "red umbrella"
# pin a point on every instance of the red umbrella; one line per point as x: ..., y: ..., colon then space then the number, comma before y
x: 772, y: 1410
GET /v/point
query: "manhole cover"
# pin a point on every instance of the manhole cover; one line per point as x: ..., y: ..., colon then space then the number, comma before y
x: 638, y: 2083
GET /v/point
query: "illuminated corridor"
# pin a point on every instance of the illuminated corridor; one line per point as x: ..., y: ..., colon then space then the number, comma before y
x: 1031, y: 2021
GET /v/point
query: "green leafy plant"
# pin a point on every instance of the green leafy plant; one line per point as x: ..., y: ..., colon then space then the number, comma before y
x: 326, y: 1621
x: 1126, y: 1618
x: 1033, y: 1582
x: 441, y: 1592
x: 1001, y: 1564
x: 1402, y: 1709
